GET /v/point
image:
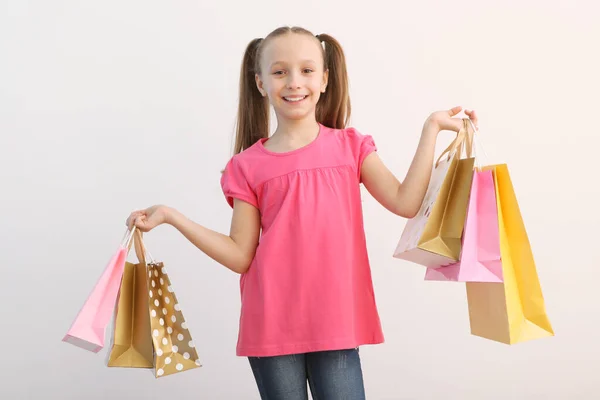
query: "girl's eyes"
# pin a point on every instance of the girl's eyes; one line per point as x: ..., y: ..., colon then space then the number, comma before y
x: 305, y: 70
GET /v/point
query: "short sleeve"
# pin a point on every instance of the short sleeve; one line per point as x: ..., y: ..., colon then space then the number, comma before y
x: 362, y: 146
x: 235, y: 184
x: 367, y: 146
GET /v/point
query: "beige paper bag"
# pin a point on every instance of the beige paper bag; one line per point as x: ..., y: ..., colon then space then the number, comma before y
x: 433, y: 238
x: 131, y: 340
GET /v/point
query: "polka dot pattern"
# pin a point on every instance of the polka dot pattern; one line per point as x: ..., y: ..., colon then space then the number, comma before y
x: 173, y: 344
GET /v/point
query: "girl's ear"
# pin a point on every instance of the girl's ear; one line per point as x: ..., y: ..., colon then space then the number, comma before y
x: 259, y: 85
x: 325, y: 80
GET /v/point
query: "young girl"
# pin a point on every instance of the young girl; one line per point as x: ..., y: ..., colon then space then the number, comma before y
x: 297, y: 236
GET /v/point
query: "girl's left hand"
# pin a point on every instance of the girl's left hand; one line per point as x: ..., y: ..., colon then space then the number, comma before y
x: 444, y: 121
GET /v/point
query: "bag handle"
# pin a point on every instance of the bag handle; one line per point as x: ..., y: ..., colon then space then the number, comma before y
x: 127, y: 239
x: 477, y: 142
x: 464, y: 138
x: 140, y: 249
x: 134, y: 237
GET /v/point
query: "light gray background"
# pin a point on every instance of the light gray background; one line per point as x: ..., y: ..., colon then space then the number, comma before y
x: 115, y: 105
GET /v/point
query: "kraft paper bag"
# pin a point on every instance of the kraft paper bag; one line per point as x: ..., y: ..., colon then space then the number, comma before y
x: 131, y: 339
x: 480, y: 260
x: 89, y: 327
x: 433, y: 238
x: 513, y: 311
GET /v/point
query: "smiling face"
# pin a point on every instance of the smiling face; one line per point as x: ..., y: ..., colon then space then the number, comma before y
x: 292, y: 75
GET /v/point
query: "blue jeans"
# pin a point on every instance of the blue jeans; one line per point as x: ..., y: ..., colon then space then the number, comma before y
x: 331, y: 375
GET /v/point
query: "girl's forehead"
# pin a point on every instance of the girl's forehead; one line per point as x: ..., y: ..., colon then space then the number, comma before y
x: 292, y: 47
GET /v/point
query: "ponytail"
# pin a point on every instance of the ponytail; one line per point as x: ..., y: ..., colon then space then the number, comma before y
x: 253, y: 108
x: 333, y: 109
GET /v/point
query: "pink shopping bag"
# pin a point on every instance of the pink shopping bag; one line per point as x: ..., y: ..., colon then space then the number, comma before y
x: 480, y: 259
x: 88, y: 329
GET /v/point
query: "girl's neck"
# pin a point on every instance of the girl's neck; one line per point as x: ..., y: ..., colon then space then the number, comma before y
x: 291, y: 135
x: 297, y: 129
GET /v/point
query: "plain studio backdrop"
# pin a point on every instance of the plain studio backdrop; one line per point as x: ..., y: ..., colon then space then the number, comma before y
x: 110, y: 106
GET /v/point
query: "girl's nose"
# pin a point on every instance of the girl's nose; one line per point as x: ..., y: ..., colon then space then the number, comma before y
x: 293, y: 81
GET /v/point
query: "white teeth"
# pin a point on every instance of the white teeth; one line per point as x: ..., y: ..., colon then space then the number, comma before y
x: 295, y: 98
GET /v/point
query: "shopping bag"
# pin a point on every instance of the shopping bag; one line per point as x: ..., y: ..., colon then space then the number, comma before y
x: 131, y: 344
x: 433, y: 237
x: 172, y: 343
x: 512, y: 311
x: 89, y: 327
x: 480, y: 259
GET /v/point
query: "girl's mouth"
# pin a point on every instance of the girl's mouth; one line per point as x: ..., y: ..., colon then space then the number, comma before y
x: 295, y: 99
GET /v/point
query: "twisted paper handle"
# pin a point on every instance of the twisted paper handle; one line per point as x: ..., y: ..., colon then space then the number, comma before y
x: 464, y: 138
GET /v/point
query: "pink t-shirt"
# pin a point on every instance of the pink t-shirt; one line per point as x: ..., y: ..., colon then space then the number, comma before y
x: 309, y: 286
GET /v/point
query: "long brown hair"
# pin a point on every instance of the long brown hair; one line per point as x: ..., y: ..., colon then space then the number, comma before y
x: 333, y: 109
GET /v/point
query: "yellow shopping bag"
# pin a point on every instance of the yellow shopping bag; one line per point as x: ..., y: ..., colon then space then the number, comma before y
x: 512, y: 311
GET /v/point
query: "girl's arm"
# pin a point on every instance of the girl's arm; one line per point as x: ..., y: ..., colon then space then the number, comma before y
x: 405, y: 198
x: 235, y: 251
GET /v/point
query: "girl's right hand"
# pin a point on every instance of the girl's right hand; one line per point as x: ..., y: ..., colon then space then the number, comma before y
x: 148, y: 219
